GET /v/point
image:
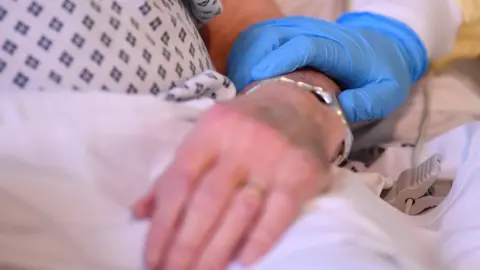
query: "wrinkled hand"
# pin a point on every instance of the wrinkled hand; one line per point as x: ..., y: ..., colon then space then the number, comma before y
x: 204, y: 211
x: 374, y: 58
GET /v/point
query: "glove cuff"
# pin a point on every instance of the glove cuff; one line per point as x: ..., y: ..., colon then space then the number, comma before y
x: 415, y: 51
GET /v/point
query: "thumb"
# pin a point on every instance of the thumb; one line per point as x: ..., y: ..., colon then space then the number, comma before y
x: 145, y: 206
x: 371, y: 102
x: 321, y: 53
x: 247, y: 51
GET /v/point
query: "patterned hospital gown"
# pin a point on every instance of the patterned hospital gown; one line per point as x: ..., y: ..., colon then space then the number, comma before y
x: 124, y: 46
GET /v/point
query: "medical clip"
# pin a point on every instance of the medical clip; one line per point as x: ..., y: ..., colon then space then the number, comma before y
x: 414, y: 193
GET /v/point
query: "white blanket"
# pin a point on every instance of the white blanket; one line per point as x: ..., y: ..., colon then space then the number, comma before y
x: 71, y: 164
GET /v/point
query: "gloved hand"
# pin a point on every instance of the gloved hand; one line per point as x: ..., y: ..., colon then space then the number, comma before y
x: 375, y: 59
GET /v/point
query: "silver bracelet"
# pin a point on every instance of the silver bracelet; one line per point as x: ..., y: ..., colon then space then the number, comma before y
x: 328, y: 99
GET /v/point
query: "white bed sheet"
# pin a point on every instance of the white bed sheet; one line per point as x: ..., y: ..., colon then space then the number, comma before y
x: 66, y: 183
x: 71, y: 164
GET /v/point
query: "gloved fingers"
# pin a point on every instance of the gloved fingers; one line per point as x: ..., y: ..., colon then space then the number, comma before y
x: 321, y: 53
x: 247, y: 51
x: 371, y: 102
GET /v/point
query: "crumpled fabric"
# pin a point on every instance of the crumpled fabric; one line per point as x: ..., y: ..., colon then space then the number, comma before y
x: 71, y: 164
x: 204, y: 11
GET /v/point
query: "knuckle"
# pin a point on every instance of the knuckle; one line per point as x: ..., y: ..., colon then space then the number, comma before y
x: 249, y: 202
x: 177, y: 178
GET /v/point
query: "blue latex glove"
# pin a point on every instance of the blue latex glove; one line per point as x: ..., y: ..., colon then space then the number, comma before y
x: 374, y: 58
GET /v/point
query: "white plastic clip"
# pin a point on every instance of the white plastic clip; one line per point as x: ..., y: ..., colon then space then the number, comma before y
x: 413, y: 191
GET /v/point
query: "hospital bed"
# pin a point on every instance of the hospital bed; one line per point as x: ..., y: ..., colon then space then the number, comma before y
x: 95, y: 231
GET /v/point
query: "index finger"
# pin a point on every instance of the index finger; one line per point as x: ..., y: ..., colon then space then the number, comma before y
x: 256, y: 46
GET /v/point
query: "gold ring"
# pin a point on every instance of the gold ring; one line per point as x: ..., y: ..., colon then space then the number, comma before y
x: 255, y: 187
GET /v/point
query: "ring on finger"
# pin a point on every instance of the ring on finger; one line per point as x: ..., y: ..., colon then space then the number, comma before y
x: 255, y: 187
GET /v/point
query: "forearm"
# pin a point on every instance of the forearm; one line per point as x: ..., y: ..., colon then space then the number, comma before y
x: 220, y: 34
x: 281, y: 105
x: 436, y: 22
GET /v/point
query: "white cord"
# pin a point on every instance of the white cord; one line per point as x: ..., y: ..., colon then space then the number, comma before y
x: 424, y: 124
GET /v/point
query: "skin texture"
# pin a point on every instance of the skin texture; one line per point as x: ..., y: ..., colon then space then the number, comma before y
x: 220, y: 34
x: 279, y: 137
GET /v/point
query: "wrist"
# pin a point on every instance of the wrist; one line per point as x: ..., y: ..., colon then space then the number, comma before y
x: 220, y: 34
x: 290, y: 105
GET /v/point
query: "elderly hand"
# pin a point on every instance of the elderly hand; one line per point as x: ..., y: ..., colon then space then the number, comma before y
x: 240, y: 179
x: 376, y: 59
